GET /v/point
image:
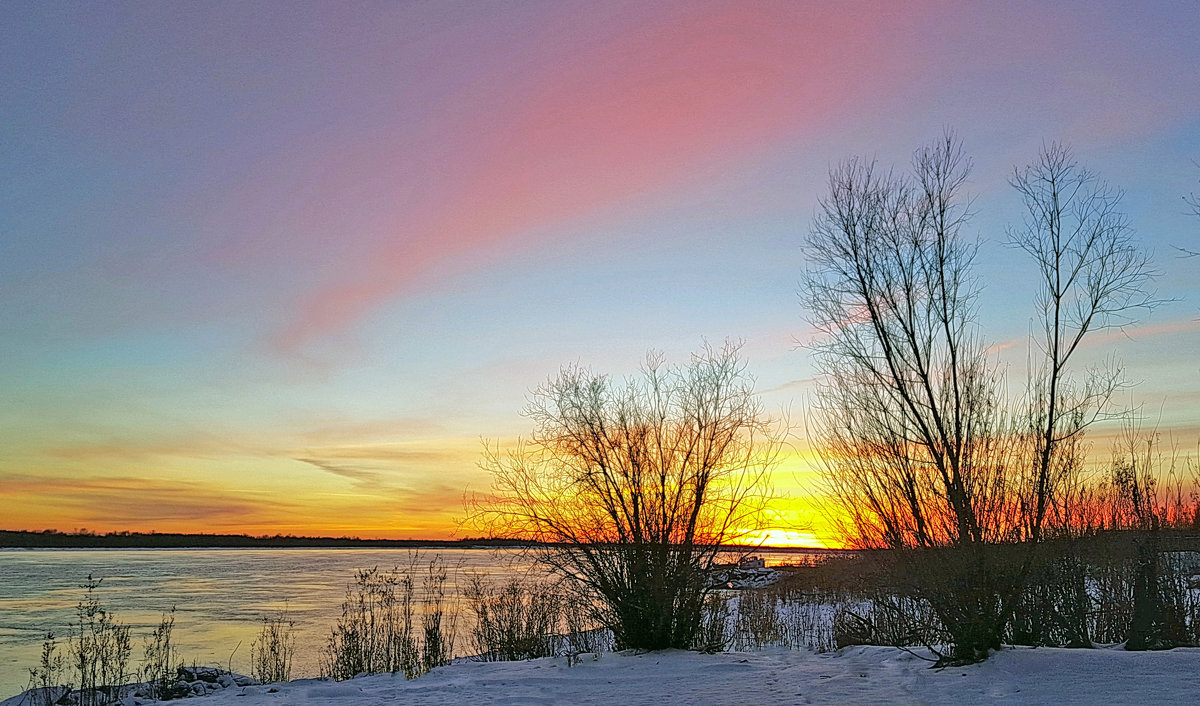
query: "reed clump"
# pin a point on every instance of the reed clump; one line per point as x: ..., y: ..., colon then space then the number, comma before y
x: 378, y: 629
x: 95, y: 669
x: 99, y: 649
x: 47, y: 685
x: 517, y: 619
x: 161, y: 662
x: 272, y: 651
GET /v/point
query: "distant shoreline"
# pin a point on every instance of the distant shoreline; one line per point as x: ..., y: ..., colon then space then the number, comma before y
x: 26, y: 539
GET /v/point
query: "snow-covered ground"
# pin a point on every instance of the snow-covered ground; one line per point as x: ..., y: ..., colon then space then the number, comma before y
x: 855, y: 675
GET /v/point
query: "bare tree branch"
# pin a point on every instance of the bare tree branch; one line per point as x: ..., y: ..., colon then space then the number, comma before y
x: 1094, y: 277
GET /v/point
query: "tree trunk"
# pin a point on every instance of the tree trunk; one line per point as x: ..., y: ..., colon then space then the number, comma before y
x: 1146, y: 627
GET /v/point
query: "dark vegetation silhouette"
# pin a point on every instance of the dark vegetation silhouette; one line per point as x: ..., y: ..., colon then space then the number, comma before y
x: 161, y: 662
x: 272, y: 652
x: 396, y: 621
x: 99, y: 650
x: 525, y: 617
x: 636, y: 486
x: 97, y: 656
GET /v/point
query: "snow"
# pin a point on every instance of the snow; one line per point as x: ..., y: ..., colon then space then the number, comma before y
x: 854, y: 675
x: 739, y: 579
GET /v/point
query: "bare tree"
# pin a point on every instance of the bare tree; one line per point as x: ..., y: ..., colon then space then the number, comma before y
x: 910, y: 423
x: 1148, y: 492
x: 909, y: 418
x: 637, y: 486
x: 921, y: 449
x: 1147, y: 488
x: 1093, y: 277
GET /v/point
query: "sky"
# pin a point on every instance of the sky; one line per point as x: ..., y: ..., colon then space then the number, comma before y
x: 282, y: 267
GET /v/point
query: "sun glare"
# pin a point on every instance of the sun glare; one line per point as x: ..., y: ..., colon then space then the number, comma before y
x: 776, y: 537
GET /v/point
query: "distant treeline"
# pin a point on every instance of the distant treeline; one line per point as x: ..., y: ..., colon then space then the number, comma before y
x: 53, y: 539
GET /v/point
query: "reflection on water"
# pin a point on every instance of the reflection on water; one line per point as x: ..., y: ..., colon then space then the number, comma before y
x: 220, y: 595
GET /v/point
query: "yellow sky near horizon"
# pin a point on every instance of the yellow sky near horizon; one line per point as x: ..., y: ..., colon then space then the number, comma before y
x: 368, y: 489
x: 339, y: 490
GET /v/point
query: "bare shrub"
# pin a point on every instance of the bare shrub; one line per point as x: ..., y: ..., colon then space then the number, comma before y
x: 1148, y: 486
x: 47, y: 683
x: 519, y: 619
x: 584, y: 633
x: 832, y: 604
x: 807, y: 624
x: 1146, y: 494
x: 637, y: 486
x: 798, y: 611
x: 1177, y: 604
x: 272, y: 651
x: 161, y: 663
x: 714, y: 632
x: 1054, y: 606
x: 374, y: 633
x: 438, y: 621
x: 100, y: 650
x: 757, y: 623
x: 1111, y: 589
x: 1087, y: 590
x: 888, y: 619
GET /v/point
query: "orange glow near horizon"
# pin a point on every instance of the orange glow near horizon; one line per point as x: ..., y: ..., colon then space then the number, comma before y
x: 349, y: 490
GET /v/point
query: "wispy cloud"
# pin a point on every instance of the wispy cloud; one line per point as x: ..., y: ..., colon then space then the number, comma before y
x: 122, y: 502
x: 1143, y: 331
x: 400, y: 469
x: 358, y: 475
x: 1002, y: 346
x: 797, y: 384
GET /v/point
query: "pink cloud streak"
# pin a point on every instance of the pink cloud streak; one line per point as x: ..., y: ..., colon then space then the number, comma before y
x: 594, y: 127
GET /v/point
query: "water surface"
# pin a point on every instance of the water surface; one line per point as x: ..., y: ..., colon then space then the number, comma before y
x: 220, y: 596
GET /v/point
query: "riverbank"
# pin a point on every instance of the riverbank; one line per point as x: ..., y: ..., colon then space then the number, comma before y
x: 854, y: 675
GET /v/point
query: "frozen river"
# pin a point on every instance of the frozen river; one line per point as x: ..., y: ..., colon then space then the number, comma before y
x: 220, y: 595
